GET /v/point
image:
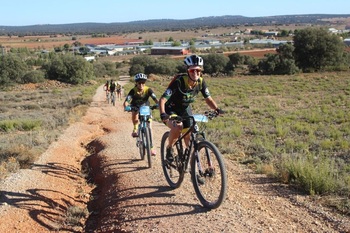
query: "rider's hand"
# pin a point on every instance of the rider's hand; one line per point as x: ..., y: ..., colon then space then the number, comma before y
x: 219, y: 111
x: 127, y: 108
x: 164, y: 117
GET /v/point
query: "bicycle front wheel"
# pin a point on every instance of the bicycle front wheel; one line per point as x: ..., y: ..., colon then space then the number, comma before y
x: 208, y: 174
x: 172, y: 172
x: 141, y: 145
x: 147, y: 144
x: 113, y: 99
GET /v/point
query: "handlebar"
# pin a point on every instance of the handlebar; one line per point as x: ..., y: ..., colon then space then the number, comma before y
x: 136, y: 108
x: 210, y: 114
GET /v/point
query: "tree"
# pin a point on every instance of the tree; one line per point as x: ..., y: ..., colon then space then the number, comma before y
x: 280, y: 63
x: 214, y: 64
x: 69, y: 69
x: 12, y: 69
x: 317, y: 49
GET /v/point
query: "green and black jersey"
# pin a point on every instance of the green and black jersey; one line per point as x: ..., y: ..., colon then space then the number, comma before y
x: 179, y: 95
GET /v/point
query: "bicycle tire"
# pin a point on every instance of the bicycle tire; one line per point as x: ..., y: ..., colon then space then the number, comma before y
x: 172, y: 172
x: 147, y: 143
x: 113, y: 99
x: 211, y: 186
x: 107, y: 96
x: 141, y: 145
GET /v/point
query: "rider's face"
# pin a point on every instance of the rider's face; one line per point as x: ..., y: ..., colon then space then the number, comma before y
x: 194, y: 72
x: 140, y: 85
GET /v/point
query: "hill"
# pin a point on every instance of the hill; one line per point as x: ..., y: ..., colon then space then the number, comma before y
x: 171, y: 24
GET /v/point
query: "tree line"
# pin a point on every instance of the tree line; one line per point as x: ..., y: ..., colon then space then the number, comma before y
x: 312, y: 50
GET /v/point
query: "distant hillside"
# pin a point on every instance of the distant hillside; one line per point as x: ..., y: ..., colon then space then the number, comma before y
x: 167, y: 24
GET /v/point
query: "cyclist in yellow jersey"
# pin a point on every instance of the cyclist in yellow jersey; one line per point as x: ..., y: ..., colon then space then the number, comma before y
x: 137, y: 97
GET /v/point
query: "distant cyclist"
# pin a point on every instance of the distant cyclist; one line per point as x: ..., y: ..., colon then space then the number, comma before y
x: 119, y: 91
x: 106, y: 89
x: 177, y: 98
x: 137, y: 97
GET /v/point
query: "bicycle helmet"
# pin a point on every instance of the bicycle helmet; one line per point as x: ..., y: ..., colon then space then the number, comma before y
x: 140, y: 77
x: 193, y: 60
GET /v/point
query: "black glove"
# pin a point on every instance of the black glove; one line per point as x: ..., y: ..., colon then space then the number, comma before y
x: 164, y: 116
x: 219, y: 111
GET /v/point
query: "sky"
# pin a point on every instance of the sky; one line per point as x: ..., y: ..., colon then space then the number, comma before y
x: 33, y: 12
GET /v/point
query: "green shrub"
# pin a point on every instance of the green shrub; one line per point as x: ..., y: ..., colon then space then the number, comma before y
x: 314, y: 175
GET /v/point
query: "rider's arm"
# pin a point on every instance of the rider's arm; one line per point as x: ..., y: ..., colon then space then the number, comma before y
x: 211, y: 103
x: 128, y: 98
x: 161, y: 103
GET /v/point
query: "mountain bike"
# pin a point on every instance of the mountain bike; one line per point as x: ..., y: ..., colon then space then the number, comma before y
x: 208, y: 172
x: 144, y: 132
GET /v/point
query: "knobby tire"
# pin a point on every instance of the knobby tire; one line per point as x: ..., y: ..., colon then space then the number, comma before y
x: 141, y: 145
x: 172, y: 172
x: 212, y: 192
x: 147, y: 143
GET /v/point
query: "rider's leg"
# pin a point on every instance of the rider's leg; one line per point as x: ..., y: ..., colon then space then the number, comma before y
x: 153, y: 151
x: 175, y: 131
x: 135, y: 121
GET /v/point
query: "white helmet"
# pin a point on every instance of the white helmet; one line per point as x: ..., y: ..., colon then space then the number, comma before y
x: 140, y: 77
x: 193, y: 60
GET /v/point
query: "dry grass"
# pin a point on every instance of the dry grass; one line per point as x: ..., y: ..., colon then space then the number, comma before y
x: 32, y: 118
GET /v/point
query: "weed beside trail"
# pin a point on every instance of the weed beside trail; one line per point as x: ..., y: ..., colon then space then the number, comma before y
x: 295, y: 128
x: 30, y: 120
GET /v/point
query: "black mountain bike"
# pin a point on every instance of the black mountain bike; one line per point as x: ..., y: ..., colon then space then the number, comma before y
x: 144, y: 132
x: 208, y: 172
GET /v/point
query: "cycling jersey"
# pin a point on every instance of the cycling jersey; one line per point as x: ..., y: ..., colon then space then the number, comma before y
x: 179, y: 96
x: 138, y: 98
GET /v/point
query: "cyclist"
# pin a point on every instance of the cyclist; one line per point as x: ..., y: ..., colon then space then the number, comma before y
x: 119, y: 91
x: 137, y: 97
x: 176, y: 99
x: 106, y: 88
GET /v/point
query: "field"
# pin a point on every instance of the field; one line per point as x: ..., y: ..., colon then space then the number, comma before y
x: 49, y: 42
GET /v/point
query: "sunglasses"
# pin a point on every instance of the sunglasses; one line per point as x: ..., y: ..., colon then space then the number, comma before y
x: 194, y: 70
x: 141, y: 82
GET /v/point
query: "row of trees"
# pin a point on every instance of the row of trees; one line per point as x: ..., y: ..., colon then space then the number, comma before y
x: 16, y: 68
x: 313, y: 49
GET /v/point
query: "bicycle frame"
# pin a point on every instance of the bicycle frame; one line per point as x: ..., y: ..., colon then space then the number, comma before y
x: 193, y: 143
x: 144, y: 140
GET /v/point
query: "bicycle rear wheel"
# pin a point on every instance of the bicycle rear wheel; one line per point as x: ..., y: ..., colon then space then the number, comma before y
x: 208, y: 174
x: 173, y: 174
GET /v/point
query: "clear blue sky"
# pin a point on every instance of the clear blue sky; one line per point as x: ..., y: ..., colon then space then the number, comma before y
x: 31, y: 12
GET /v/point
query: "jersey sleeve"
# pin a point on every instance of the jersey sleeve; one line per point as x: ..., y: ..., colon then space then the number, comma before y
x: 204, y: 90
x: 170, y: 90
x: 129, y: 96
x: 152, y: 94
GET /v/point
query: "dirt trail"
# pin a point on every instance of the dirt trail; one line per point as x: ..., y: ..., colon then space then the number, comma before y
x: 129, y: 197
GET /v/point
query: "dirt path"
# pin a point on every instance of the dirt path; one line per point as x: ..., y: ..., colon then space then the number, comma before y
x: 128, y: 197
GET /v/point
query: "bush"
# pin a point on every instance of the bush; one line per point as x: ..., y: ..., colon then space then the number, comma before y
x: 35, y: 76
x: 314, y: 175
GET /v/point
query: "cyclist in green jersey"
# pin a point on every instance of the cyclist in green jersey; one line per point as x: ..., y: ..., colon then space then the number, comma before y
x: 176, y: 99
